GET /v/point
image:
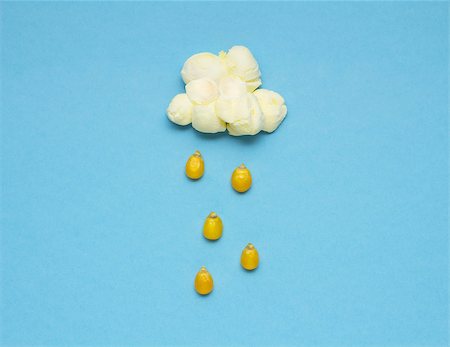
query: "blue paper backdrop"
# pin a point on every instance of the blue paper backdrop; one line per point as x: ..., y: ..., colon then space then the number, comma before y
x: 101, y: 231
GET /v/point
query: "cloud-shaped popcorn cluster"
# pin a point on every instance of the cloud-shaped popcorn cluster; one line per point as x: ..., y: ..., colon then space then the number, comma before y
x: 221, y: 94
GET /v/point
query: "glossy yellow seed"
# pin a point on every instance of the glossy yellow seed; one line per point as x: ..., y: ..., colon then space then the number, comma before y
x: 195, y: 166
x: 241, y: 179
x: 213, y: 227
x: 249, y: 257
x: 203, y: 282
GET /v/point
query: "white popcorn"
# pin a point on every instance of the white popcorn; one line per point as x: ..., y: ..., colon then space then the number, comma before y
x: 232, y: 103
x: 252, y: 122
x: 180, y: 110
x: 204, y: 119
x: 221, y: 93
x: 273, y: 108
x: 203, y: 65
x: 241, y: 62
x: 232, y: 87
x: 202, y: 91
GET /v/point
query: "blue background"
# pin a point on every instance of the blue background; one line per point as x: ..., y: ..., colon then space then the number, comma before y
x: 101, y: 231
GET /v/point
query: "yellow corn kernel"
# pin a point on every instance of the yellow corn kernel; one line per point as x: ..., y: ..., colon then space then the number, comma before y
x: 213, y: 227
x: 241, y: 179
x: 195, y: 166
x: 203, y: 282
x: 249, y: 257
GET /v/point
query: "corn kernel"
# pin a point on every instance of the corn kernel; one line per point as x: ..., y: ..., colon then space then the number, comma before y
x: 241, y: 179
x: 195, y: 166
x: 213, y: 227
x: 249, y: 257
x: 203, y: 282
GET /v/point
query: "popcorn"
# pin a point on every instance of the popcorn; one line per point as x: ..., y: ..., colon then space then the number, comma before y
x: 232, y: 87
x: 203, y: 65
x: 180, y: 110
x: 232, y: 103
x: 241, y: 63
x: 204, y: 119
x: 221, y: 94
x: 202, y: 91
x: 253, y: 121
x: 273, y: 108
